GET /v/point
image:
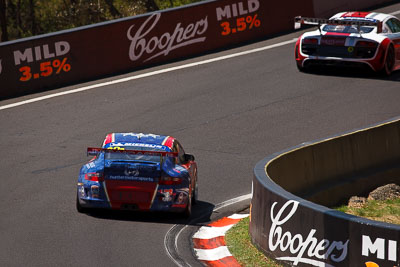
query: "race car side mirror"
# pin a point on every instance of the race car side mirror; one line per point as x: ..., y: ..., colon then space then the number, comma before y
x: 189, y: 157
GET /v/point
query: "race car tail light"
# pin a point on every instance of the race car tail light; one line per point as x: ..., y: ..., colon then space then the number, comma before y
x: 309, y: 46
x: 365, y: 49
x: 366, y: 44
x: 94, y: 176
x: 313, y: 41
x: 170, y: 180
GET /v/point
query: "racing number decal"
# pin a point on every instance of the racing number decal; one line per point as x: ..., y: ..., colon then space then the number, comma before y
x: 116, y: 148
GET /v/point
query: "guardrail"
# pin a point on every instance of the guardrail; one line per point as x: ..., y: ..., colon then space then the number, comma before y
x: 288, y: 227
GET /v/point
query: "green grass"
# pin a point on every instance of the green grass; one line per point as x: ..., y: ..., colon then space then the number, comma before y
x: 238, y: 241
x: 384, y: 211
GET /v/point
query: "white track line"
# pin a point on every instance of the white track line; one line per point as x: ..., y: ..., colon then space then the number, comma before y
x: 144, y: 75
x: 395, y: 13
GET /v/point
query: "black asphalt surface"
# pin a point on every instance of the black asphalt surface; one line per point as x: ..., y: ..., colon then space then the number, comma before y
x: 230, y: 114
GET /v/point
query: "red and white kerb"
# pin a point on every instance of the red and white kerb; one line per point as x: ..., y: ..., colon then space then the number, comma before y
x: 209, y: 242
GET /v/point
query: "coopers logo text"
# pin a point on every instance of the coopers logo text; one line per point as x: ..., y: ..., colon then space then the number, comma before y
x: 155, y: 46
x: 308, y: 250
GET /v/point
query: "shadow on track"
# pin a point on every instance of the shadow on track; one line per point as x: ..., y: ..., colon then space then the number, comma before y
x: 364, y: 73
x: 201, y: 213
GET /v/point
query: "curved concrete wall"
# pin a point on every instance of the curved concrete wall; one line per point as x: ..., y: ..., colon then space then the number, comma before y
x: 287, y: 226
x: 331, y: 171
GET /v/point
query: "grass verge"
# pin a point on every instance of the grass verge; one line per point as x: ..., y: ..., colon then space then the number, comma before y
x: 378, y: 210
x: 239, y: 243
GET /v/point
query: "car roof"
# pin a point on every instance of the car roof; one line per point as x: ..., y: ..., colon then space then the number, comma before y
x: 153, y: 139
x: 359, y: 15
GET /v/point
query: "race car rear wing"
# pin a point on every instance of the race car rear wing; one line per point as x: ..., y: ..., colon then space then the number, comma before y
x: 299, y: 20
x: 93, y: 151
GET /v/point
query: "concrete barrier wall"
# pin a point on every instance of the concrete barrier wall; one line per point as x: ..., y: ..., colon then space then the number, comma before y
x: 347, y: 165
x: 323, y: 8
x: 296, y: 231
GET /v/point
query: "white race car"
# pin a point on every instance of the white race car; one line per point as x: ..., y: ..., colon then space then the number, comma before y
x: 350, y: 39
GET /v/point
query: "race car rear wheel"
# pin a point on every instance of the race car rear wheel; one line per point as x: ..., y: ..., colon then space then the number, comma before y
x: 195, y: 193
x: 389, y: 62
x: 79, y: 208
x: 299, y: 67
x: 188, y: 211
x: 302, y: 68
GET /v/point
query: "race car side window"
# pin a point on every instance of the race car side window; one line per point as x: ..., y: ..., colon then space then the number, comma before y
x: 394, y: 25
x: 397, y: 23
x: 181, y: 153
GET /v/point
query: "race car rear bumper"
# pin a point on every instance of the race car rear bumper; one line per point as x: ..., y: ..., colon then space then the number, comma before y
x: 375, y: 63
x: 93, y: 203
x: 177, y: 202
x: 339, y: 63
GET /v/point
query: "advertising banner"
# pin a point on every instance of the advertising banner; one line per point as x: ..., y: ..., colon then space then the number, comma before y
x: 44, y: 62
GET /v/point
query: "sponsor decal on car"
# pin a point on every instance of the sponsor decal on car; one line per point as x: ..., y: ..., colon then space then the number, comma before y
x: 119, y: 145
x: 140, y: 135
x: 168, y: 194
x: 95, y: 191
x: 130, y: 178
x: 333, y: 41
x: 90, y: 165
x: 131, y: 172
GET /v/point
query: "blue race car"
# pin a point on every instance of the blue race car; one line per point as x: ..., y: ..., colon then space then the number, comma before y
x: 144, y: 172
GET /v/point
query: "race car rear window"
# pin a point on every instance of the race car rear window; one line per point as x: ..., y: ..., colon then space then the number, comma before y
x: 346, y: 29
x: 133, y: 157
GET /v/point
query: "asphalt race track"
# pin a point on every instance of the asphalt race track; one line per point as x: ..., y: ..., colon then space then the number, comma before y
x: 230, y: 114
